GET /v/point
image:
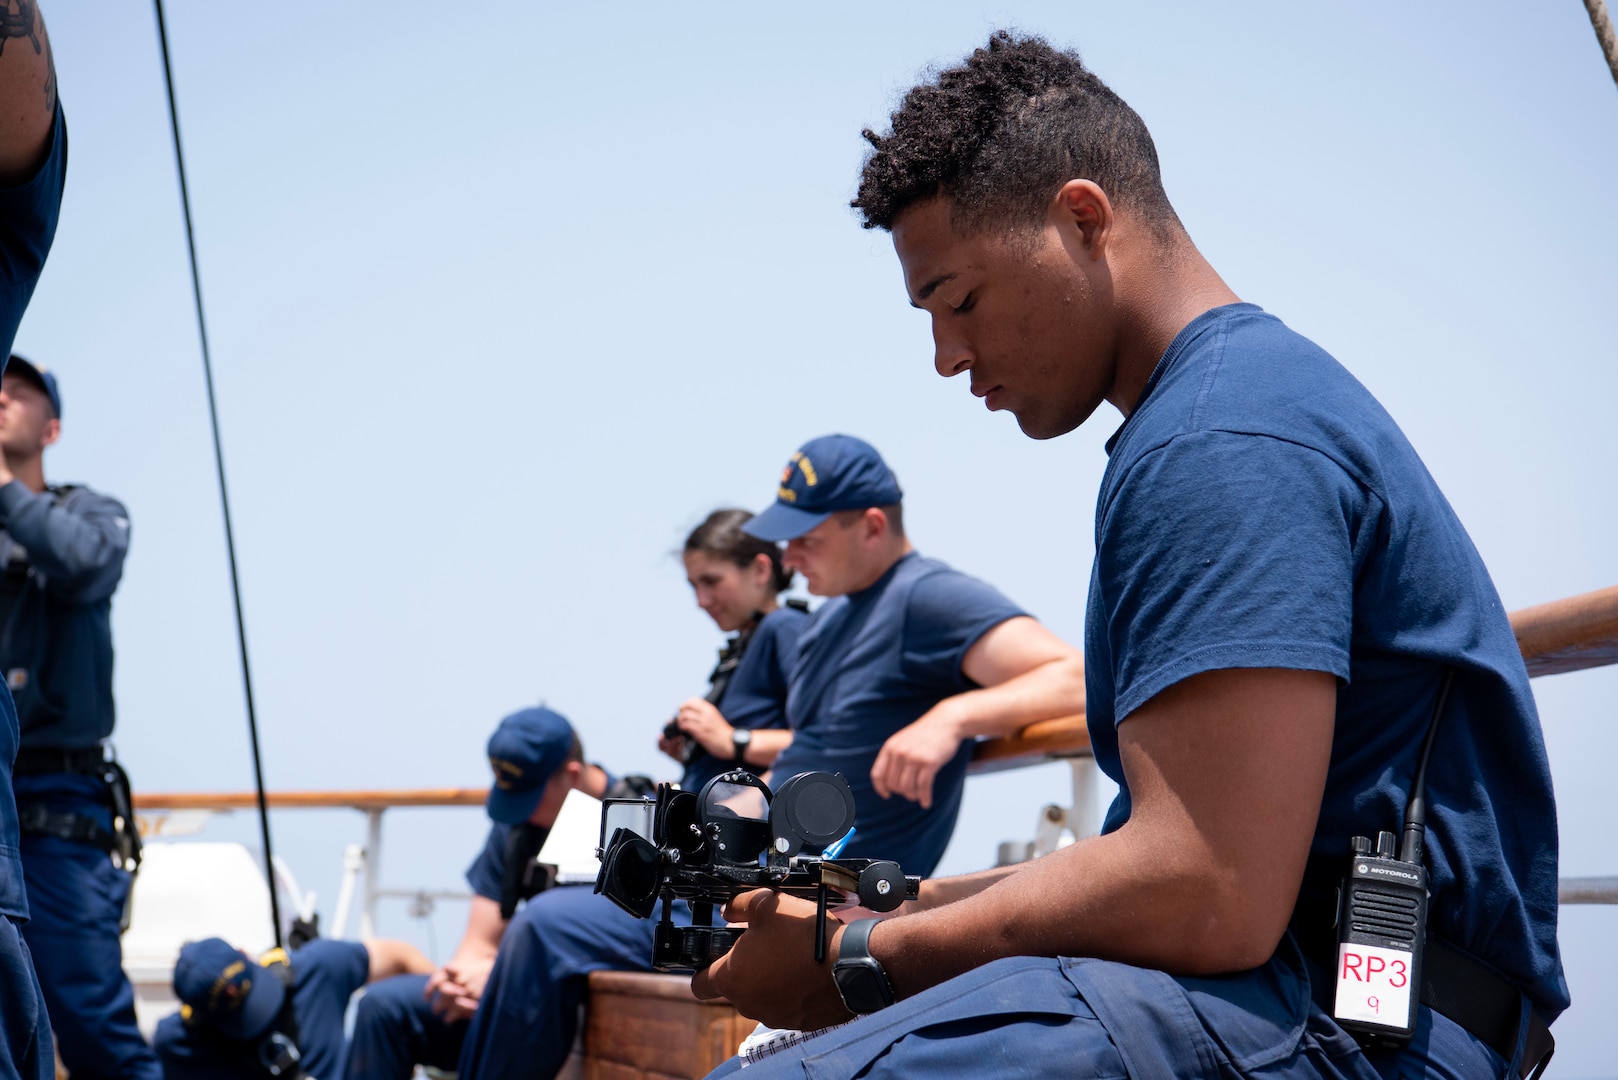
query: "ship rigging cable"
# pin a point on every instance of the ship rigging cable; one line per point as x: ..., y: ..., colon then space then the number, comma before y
x: 1602, y: 25
x: 219, y: 466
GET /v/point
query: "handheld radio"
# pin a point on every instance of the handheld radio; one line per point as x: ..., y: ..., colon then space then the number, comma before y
x: 1382, y: 919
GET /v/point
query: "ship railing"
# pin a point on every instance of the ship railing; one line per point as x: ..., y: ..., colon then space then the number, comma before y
x: 362, y: 864
x: 1566, y: 635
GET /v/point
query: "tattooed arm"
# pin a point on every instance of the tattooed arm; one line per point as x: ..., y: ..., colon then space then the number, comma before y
x: 27, y: 90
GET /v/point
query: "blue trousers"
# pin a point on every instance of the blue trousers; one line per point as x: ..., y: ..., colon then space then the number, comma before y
x: 395, y: 1029
x: 525, y: 1023
x: 1035, y: 1018
x: 75, y: 900
x: 25, y: 1033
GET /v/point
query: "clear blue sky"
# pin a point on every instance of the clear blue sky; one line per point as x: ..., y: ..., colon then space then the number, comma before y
x: 505, y: 297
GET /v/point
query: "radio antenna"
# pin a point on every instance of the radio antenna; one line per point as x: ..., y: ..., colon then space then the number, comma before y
x: 219, y: 468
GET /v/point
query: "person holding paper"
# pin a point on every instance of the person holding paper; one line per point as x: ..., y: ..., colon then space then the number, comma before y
x: 412, y: 1020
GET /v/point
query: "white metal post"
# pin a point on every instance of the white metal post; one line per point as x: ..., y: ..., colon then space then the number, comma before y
x: 1084, y: 813
x: 373, y: 871
x: 353, y: 867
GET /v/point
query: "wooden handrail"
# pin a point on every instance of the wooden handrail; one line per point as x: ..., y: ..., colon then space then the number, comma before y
x: 1564, y: 635
x: 1569, y: 635
x: 313, y: 800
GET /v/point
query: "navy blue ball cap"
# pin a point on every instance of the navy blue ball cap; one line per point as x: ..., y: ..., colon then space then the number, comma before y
x: 41, y: 377
x: 828, y: 474
x: 524, y: 752
x: 225, y: 990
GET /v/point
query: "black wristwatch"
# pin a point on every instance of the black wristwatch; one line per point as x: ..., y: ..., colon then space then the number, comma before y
x: 740, y: 738
x: 860, y: 978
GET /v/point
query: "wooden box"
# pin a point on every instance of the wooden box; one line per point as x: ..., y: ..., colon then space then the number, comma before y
x: 650, y: 1027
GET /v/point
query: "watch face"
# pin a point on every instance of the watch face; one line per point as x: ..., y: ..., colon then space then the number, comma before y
x: 743, y: 735
x: 862, y: 984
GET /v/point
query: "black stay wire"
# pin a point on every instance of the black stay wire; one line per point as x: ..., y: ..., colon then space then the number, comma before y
x: 219, y: 464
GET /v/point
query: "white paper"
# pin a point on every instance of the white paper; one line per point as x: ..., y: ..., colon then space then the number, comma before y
x: 1373, y: 985
x: 571, y: 845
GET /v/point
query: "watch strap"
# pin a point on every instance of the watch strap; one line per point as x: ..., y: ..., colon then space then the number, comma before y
x: 856, y: 942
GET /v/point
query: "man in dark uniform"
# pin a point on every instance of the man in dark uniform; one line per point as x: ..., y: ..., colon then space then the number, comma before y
x: 1282, y: 603
x: 286, y: 1012
x: 61, y: 557
x: 893, y: 678
x: 415, y: 1020
x: 907, y: 664
x: 33, y: 166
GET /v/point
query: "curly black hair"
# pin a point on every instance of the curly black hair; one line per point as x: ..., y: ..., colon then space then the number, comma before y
x: 1001, y: 133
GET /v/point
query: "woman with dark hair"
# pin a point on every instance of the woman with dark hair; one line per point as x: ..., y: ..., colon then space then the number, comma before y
x: 741, y: 722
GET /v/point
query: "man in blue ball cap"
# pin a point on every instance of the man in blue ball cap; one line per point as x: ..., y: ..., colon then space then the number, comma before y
x: 415, y: 1020
x: 280, y: 1017
x: 62, y: 549
x: 908, y: 664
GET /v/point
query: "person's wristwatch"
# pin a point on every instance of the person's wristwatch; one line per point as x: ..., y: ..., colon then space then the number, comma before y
x: 858, y: 974
x: 740, y: 739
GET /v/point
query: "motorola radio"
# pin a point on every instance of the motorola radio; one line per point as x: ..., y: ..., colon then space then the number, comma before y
x: 1382, y: 919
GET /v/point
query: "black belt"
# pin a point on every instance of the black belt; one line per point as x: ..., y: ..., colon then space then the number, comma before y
x: 1453, y: 982
x: 79, y: 828
x: 42, y: 761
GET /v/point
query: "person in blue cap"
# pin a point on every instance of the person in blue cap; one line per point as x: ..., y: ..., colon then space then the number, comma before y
x: 411, y: 1020
x: 908, y: 664
x: 742, y: 720
x: 33, y: 168
x: 62, y: 551
x: 282, y: 1016
x: 1285, y: 617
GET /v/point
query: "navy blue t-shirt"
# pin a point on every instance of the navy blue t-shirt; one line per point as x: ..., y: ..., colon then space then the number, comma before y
x: 487, y: 873
x: 757, y: 694
x: 1261, y: 509
x: 325, y: 975
x: 27, y: 227
x: 871, y: 663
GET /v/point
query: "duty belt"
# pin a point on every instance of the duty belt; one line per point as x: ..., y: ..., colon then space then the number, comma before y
x: 1453, y: 982
x: 80, y: 828
x: 41, y: 761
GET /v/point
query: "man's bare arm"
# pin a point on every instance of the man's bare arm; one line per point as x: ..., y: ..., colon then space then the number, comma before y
x: 389, y: 958
x: 1226, y: 771
x: 456, y: 987
x: 1026, y: 673
x: 27, y: 90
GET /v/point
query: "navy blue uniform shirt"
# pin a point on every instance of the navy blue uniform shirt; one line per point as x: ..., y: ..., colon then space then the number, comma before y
x: 871, y: 663
x: 27, y: 227
x: 487, y: 873
x: 757, y: 694
x: 56, y: 638
x: 325, y: 975
x: 1260, y: 509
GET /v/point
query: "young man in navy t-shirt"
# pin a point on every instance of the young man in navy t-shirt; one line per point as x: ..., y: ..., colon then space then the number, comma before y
x: 908, y: 663
x: 1280, y: 596
x: 422, y: 1019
